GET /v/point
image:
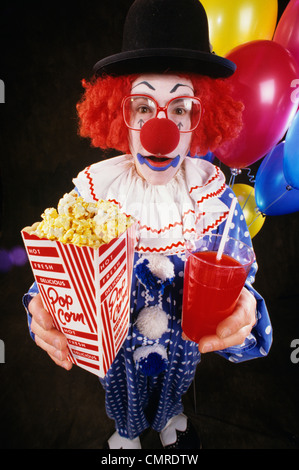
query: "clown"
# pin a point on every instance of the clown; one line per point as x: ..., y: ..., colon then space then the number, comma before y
x: 162, y: 101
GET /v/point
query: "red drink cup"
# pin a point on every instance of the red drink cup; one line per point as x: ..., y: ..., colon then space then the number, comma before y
x: 212, y: 287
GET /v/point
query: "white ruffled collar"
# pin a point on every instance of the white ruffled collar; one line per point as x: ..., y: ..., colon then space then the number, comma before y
x: 167, y: 215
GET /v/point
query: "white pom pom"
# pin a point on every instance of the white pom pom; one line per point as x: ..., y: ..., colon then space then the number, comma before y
x: 152, y: 322
x: 160, y: 266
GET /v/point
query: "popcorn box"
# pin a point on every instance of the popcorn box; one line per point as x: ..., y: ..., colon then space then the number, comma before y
x: 87, y: 293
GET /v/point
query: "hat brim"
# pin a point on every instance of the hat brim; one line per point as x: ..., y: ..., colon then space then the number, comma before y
x: 164, y: 60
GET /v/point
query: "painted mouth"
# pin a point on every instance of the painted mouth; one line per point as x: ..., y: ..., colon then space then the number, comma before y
x: 158, y: 163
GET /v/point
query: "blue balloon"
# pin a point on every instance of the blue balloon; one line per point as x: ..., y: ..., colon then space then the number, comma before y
x: 291, y: 154
x: 273, y: 194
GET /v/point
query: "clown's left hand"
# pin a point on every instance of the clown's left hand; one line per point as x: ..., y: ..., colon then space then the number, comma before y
x: 233, y: 330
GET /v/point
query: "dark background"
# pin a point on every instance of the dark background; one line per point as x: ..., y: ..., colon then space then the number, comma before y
x: 47, y: 48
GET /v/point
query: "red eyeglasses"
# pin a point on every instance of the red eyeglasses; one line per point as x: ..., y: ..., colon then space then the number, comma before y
x: 184, y: 111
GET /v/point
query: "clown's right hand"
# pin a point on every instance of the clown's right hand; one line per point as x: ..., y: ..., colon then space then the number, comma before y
x: 47, y: 336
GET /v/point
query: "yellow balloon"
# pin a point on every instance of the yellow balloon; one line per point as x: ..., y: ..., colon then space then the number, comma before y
x: 234, y: 22
x: 246, y: 197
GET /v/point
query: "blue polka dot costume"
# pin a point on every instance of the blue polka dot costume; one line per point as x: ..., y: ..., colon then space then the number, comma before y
x: 155, y: 366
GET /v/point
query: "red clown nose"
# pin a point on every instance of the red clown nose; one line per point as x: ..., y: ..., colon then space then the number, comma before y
x: 159, y: 136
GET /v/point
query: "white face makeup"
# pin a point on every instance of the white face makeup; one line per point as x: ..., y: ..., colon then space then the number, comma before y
x: 160, y: 169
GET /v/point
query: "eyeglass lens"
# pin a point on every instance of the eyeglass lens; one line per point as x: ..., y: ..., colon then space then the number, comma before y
x: 184, y: 111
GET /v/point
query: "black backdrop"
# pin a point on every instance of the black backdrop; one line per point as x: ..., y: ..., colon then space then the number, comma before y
x: 46, y: 50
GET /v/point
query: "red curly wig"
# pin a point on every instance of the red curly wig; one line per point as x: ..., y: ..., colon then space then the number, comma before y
x: 100, y: 113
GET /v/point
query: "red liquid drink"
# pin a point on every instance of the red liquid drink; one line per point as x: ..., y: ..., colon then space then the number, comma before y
x: 211, y: 291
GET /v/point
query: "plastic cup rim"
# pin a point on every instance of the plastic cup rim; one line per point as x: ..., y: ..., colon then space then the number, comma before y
x: 249, y: 263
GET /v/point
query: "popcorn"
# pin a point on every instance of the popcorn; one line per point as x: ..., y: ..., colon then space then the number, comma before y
x: 83, y: 285
x: 82, y: 223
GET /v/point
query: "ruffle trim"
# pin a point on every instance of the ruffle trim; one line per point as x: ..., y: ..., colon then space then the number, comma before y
x: 168, y: 215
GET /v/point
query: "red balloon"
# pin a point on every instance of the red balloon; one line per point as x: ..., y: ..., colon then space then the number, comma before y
x: 262, y: 81
x: 287, y: 31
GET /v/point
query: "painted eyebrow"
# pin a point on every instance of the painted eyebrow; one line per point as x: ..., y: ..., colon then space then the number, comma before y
x: 178, y: 85
x: 145, y: 83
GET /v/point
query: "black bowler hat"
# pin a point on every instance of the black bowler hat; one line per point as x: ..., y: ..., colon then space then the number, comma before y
x: 166, y: 35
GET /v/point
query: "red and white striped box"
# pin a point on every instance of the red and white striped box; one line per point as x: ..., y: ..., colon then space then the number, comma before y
x: 87, y: 292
